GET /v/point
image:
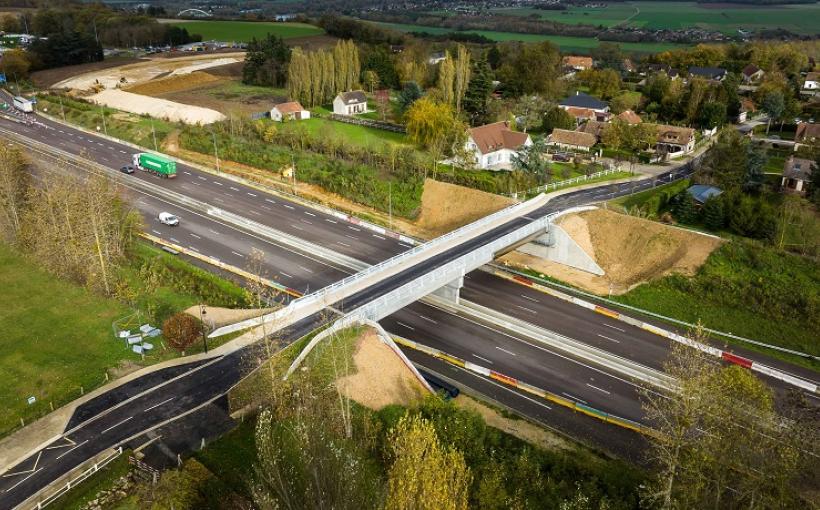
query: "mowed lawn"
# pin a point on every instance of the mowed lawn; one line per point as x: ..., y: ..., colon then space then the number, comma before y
x: 350, y: 133
x: 566, y: 43
x: 54, y: 338
x: 244, y: 31
x: 800, y: 18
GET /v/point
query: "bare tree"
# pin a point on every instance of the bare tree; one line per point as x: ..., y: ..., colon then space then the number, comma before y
x: 14, y: 184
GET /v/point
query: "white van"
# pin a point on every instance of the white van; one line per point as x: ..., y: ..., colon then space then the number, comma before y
x: 168, y: 219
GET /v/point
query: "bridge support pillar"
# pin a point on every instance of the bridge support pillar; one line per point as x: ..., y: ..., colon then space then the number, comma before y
x: 556, y: 245
x: 451, y: 291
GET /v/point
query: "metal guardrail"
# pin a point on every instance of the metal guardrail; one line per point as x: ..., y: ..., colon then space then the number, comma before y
x: 567, y: 182
x: 51, y: 498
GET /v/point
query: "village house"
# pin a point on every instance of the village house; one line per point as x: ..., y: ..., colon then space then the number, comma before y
x: 494, y: 145
x: 572, y: 140
x: 747, y: 110
x: 709, y: 73
x: 350, y: 103
x: 807, y: 133
x: 674, y: 140
x: 797, y: 175
x: 752, y: 74
x: 577, y: 63
x: 583, y: 107
x: 594, y: 128
x: 436, y: 58
x: 629, y: 117
x: 289, y: 111
x: 812, y: 81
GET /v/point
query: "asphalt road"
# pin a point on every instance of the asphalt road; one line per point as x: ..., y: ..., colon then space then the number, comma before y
x: 422, y: 323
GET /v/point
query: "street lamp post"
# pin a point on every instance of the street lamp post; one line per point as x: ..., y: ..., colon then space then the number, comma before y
x: 202, y: 314
x: 216, y: 153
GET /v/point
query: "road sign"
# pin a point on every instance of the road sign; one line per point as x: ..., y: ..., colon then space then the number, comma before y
x: 31, y: 400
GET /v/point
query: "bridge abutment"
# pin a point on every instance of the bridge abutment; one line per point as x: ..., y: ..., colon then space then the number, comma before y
x: 557, y: 246
x: 452, y: 291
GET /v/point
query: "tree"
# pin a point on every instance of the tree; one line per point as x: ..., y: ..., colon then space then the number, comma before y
x: 725, y: 163
x: 754, y: 178
x: 425, y: 474
x: 66, y: 48
x: 814, y: 186
x: 530, y: 68
x: 557, y: 118
x: 533, y: 160
x: 380, y: 61
x: 529, y: 111
x: 713, y: 215
x: 774, y: 105
x: 15, y: 182
x: 462, y: 75
x: 408, y: 95
x: 446, y: 78
x: 10, y: 23
x: 371, y: 79
x: 181, y: 330
x: 477, y: 96
x: 266, y: 62
x: 605, y: 83
x: 683, y: 207
x: 608, y: 55
x: 433, y: 125
x: 712, y: 114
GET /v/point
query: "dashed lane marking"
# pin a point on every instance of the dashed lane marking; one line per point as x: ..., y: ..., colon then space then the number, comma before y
x: 428, y: 319
x: 303, y: 268
x: 599, y: 389
x: 483, y: 359
x: 351, y: 236
x: 288, y: 206
x: 194, y: 248
x: 614, y: 327
x: 285, y: 274
x: 201, y: 178
x: 330, y: 221
x: 237, y: 254
x: 194, y: 235
x: 115, y: 425
x: 233, y: 188
x: 309, y: 213
x: 411, y: 328
x: 297, y: 227
x: 174, y: 240
x: 527, y: 309
x: 378, y: 236
x: 573, y: 397
x: 217, y: 183
x: 157, y: 405
x: 608, y: 338
x: 250, y: 194
x: 505, y: 350
x: 343, y: 244
x: 406, y: 245
x: 213, y: 231
x: 528, y: 298
x: 269, y: 200
x: 354, y: 228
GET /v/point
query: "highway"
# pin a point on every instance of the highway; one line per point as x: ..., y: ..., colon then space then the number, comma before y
x: 419, y: 322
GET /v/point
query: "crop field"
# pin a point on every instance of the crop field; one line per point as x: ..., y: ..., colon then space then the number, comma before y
x: 244, y: 31
x: 575, y: 44
x: 800, y: 18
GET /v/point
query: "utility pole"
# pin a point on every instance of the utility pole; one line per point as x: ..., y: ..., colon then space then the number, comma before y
x: 202, y: 314
x: 293, y: 172
x: 154, y: 134
x: 390, y: 202
x: 216, y: 153
x: 102, y: 111
x: 62, y: 110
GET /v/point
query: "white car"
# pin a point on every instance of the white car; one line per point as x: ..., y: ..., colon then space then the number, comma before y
x: 168, y: 219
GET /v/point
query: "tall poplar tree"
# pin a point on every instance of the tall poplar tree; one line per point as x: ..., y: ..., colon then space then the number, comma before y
x: 462, y: 75
x: 446, y: 78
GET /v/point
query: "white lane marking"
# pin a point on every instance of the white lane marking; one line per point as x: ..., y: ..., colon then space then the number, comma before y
x: 23, y: 480
x: 296, y: 227
x: 285, y: 274
x: 115, y: 425
x: 174, y: 240
x: 255, y: 212
x: 306, y: 221
x: 186, y: 172
x: 411, y: 328
x: 157, y: 233
x: 428, y: 319
x: 194, y: 235
x: 237, y: 254
x: 201, y: 178
x: 250, y: 194
x: 101, y: 145
x: 406, y: 245
x: 528, y: 298
x: 124, y: 152
x: 70, y: 443
x: 572, y: 397
x: 354, y: 228
x: 266, y: 208
x: 527, y: 309
x: 157, y: 405
x: 303, y: 268
x: 343, y: 244
x: 505, y: 350
x: 228, y: 194
x: 217, y: 183
x: 61, y: 131
x: 483, y: 359
x: 233, y: 188
x: 69, y: 451
x: 613, y: 327
x: 350, y: 236
x: 599, y: 389
x: 219, y: 199
x: 270, y: 201
x: 378, y: 236
x: 111, y: 148
x: 610, y: 339
x: 309, y: 213
x: 213, y: 231
x: 330, y: 221
x: 288, y: 206
x: 193, y: 248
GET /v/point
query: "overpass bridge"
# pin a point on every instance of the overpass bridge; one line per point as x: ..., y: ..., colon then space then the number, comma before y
x: 436, y: 267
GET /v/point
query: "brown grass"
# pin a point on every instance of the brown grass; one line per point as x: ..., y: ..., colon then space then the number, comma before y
x: 173, y: 84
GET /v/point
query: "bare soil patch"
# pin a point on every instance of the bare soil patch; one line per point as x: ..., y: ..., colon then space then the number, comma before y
x: 173, y: 83
x: 381, y: 377
x: 48, y: 77
x: 228, y: 70
x: 217, y: 317
x: 155, y: 107
x: 630, y: 250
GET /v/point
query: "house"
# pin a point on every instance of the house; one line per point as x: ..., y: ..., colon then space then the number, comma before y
x: 747, y: 110
x: 752, y: 74
x: 594, y: 128
x: 629, y: 117
x: 703, y: 192
x: 807, y: 133
x: 582, y: 115
x: 573, y: 140
x: 674, y: 140
x: 628, y: 66
x: 709, y: 73
x: 671, y: 72
x: 797, y: 174
x: 350, y: 103
x: 581, y: 100
x: 812, y: 81
x: 577, y: 63
x: 289, y: 111
x: 494, y: 145
x: 436, y: 58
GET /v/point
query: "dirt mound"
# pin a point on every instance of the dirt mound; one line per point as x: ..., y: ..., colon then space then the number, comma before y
x: 157, y: 108
x: 630, y: 250
x: 228, y: 70
x: 445, y: 207
x: 381, y: 378
x: 216, y: 316
x: 175, y: 83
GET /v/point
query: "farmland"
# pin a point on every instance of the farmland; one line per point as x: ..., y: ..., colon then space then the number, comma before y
x: 727, y: 18
x: 566, y: 43
x: 244, y: 31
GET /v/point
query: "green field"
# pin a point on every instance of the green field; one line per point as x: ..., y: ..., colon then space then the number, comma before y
x: 799, y: 18
x: 359, y: 135
x: 244, y: 31
x: 566, y: 43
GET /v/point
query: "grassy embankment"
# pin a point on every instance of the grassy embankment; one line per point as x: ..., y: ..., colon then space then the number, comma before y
x: 745, y: 288
x: 244, y: 31
x: 58, y: 337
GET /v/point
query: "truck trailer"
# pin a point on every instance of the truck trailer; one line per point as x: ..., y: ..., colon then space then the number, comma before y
x: 23, y: 104
x: 157, y: 165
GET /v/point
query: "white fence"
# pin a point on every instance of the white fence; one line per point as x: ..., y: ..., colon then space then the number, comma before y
x: 552, y: 186
x: 51, y: 498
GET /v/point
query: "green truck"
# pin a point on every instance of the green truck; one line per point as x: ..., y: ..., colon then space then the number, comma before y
x: 157, y: 165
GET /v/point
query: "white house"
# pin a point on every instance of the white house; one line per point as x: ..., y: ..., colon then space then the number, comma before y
x: 797, y: 174
x: 494, y: 145
x: 674, y: 140
x: 289, y: 111
x: 350, y: 103
x: 812, y: 81
x: 436, y: 58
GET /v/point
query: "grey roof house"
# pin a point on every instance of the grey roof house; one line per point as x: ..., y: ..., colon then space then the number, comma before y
x: 703, y: 192
x: 710, y: 73
x: 581, y: 100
